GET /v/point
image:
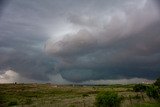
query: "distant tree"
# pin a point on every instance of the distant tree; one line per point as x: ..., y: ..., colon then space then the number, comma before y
x: 157, y: 82
x: 153, y: 92
x: 108, y: 99
x: 139, y: 88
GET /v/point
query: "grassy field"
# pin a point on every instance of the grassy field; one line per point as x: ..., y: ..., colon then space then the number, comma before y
x: 49, y: 95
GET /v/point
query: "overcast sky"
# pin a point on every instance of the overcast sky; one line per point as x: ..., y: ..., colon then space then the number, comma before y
x: 79, y: 41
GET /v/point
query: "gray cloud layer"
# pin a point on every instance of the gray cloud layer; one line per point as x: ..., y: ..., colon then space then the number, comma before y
x: 81, y: 40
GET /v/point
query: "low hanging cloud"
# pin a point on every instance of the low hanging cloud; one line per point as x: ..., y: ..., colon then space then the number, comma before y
x: 119, y: 81
x: 86, y: 42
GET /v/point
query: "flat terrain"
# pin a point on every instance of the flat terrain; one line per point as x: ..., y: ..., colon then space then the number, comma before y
x: 50, y: 95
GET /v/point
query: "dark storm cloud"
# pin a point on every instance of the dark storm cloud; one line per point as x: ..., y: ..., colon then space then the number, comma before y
x: 80, y: 40
x: 139, y: 58
x: 158, y: 2
x: 126, y: 46
x: 3, y: 3
x: 22, y: 37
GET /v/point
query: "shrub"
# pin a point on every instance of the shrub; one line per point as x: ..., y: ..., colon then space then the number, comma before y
x: 139, y: 88
x: 2, y: 101
x: 153, y: 92
x: 28, y: 101
x: 13, y: 103
x: 136, y: 97
x: 108, y: 99
x: 157, y: 82
x: 72, y: 106
x: 85, y: 95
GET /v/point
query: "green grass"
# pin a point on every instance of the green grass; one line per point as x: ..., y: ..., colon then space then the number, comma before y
x: 44, y: 95
x: 147, y: 105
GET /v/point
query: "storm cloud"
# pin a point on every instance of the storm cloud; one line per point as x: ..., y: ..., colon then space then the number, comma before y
x: 79, y: 41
